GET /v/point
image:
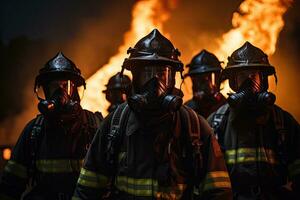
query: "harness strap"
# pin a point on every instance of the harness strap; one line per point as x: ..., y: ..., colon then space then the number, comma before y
x: 34, y: 146
x: 192, y: 125
x: 114, y: 136
x: 219, y: 116
x: 218, y: 123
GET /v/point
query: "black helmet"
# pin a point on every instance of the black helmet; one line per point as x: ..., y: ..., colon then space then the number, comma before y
x: 247, y: 57
x: 204, y: 62
x: 118, y: 82
x: 153, y: 48
x: 57, y: 68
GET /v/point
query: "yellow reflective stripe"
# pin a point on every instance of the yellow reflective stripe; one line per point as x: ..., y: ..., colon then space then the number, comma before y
x: 232, y: 152
x: 216, y: 174
x: 214, y: 185
x: 16, y: 169
x: 242, y: 155
x: 148, y: 188
x: 59, y: 166
x: 137, y: 187
x: 217, y: 179
x: 294, y: 168
x: 91, y: 179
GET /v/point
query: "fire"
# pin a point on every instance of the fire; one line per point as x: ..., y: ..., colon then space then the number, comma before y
x: 146, y: 15
x: 257, y: 21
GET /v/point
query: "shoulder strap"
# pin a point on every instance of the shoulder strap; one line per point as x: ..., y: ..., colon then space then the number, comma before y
x: 191, y: 122
x: 218, y: 123
x: 219, y: 116
x: 35, y: 135
x: 116, y: 130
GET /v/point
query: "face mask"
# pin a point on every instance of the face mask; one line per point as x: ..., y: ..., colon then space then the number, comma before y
x: 60, y: 101
x: 205, y: 88
x: 250, y: 95
x: 59, y: 104
x: 154, y: 95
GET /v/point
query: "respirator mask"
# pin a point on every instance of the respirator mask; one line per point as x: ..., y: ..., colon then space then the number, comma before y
x: 251, y: 90
x: 206, y: 88
x: 59, y: 99
x: 154, y: 90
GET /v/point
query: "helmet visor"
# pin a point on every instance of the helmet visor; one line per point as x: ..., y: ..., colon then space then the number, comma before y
x: 251, y: 79
x: 143, y: 74
x: 52, y: 86
x: 205, y: 82
x: 68, y: 86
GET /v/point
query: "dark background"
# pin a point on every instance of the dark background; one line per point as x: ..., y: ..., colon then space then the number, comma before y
x: 89, y: 32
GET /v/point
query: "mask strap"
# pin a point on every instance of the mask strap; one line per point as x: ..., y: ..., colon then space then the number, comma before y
x: 36, y: 93
x: 276, y: 80
x: 182, y: 80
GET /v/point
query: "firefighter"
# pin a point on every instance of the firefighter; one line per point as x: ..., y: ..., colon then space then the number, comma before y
x: 48, y: 155
x: 204, y: 71
x: 118, y: 89
x: 152, y: 147
x: 260, y: 140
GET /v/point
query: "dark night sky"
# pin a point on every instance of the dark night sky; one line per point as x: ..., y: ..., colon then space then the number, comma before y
x: 32, y: 31
x: 51, y: 19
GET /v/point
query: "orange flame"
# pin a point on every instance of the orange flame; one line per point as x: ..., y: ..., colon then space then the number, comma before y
x: 146, y: 15
x: 257, y: 21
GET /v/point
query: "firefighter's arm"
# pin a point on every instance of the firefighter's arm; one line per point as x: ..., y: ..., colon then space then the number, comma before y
x: 93, y: 179
x: 293, y: 129
x: 15, y: 174
x: 216, y: 182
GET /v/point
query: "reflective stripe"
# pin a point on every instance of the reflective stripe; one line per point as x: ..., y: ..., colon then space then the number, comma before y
x: 16, y: 169
x: 243, y: 155
x: 59, y: 166
x: 216, y: 179
x: 148, y: 188
x: 137, y: 187
x: 91, y: 179
x: 294, y: 168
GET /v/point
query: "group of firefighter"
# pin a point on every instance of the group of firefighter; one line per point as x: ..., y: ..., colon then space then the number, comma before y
x: 150, y: 146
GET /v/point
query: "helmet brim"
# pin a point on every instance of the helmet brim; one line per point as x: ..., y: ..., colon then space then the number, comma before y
x: 129, y: 63
x: 202, y: 69
x: 230, y: 70
x: 43, y: 78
